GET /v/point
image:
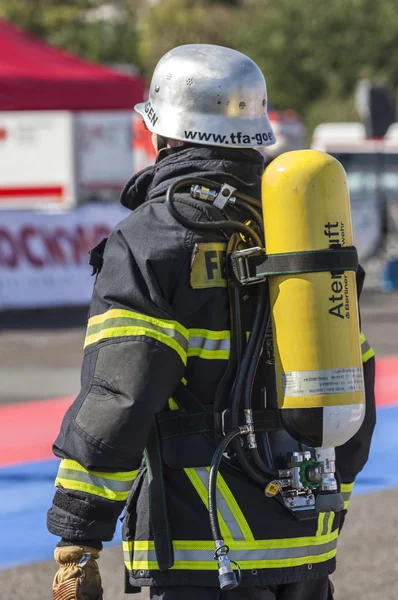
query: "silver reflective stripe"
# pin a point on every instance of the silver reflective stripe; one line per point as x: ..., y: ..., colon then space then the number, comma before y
x: 132, y: 322
x: 144, y: 555
x: 208, y: 344
x: 242, y: 555
x: 101, y: 482
x: 222, y: 506
x: 325, y: 523
x: 365, y: 346
x: 346, y: 496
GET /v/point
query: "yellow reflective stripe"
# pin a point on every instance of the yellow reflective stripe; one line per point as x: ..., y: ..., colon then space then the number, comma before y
x: 210, y: 334
x: 66, y: 463
x: 90, y: 489
x: 203, y: 494
x: 198, y: 554
x: 116, y: 323
x: 234, y: 507
x: 321, y: 519
x: 346, y: 489
x: 209, y: 344
x: 330, y: 523
x: 367, y: 350
x: 237, y: 544
x: 138, y: 331
x: 244, y: 564
x: 118, y: 313
x: 112, y: 486
x: 368, y: 355
x: 208, y: 354
x: 173, y: 404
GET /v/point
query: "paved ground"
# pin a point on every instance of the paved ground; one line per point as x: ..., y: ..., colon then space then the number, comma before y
x: 40, y: 356
x: 367, y: 568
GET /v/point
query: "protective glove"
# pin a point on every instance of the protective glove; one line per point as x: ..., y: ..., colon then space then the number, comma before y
x: 78, y: 576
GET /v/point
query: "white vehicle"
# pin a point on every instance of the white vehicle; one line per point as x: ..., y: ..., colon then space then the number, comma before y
x: 61, y: 159
x: 372, y: 170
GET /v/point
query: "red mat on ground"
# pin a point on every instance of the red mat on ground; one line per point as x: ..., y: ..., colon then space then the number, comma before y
x: 27, y: 430
x: 387, y: 381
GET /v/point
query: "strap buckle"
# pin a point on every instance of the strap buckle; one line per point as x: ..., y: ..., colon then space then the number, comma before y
x: 223, y: 422
x: 240, y: 261
x: 254, y: 265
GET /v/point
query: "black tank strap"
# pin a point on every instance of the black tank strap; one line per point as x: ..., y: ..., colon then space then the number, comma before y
x: 254, y: 265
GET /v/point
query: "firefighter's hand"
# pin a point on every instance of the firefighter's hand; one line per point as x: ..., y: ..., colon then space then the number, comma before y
x: 78, y: 576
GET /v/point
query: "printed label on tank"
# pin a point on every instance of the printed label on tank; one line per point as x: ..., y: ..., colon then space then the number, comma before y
x: 339, y: 297
x: 208, y: 266
x: 325, y: 381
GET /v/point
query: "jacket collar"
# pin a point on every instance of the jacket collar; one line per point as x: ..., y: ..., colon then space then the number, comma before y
x: 241, y: 168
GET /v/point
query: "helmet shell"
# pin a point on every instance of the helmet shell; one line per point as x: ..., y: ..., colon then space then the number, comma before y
x: 208, y: 95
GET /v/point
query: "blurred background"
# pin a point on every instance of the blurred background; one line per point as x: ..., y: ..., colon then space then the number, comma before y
x: 70, y: 74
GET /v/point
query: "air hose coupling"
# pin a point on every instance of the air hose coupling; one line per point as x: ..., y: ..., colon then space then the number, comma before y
x: 226, y: 575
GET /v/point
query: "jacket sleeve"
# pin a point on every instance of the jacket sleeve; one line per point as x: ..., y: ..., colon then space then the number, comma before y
x: 352, y: 456
x: 135, y: 353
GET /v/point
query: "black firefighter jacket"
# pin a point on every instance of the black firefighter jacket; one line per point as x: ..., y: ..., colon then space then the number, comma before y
x: 157, y: 343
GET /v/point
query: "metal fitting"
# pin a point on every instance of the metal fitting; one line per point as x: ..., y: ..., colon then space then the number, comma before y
x: 245, y: 429
x: 224, y: 196
x: 200, y: 192
x: 251, y: 438
x: 326, y: 458
x: 296, y: 457
x: 284, y: 473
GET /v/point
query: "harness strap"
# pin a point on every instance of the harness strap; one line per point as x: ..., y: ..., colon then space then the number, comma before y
x: 157, y: 502
x: 172, y: 424
x: 254, y: 265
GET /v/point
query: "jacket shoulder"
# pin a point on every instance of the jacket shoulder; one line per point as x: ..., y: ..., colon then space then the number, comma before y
x: 151, y: 226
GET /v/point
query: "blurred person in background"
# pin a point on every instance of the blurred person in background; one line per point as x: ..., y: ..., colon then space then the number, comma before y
x: 156, y: 347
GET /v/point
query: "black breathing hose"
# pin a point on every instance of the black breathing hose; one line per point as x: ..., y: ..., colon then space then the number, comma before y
x: 255, y: 215
x: 198, y: 225
x: 214, y: 468
x: 243, y: 383
x: 250, y: 375
x: 238, y: 338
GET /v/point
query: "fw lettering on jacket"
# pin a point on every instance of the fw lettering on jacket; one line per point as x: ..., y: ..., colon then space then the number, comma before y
x: 208, y: 265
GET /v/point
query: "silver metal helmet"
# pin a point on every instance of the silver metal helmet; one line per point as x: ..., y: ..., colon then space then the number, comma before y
x: 208, y: 95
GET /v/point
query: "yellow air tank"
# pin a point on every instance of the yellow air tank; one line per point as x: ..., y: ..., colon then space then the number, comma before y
x: 306, y: 207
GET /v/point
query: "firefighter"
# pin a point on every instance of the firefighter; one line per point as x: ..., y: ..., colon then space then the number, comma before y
x: 140, y: 434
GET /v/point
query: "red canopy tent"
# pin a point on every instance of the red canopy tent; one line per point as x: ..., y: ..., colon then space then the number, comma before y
x: 35, y: 76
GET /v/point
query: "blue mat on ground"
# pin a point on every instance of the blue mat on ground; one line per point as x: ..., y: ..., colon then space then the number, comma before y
x: 26, y: 492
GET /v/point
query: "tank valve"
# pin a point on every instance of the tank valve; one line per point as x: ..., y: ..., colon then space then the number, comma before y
x: 328, y: 498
